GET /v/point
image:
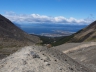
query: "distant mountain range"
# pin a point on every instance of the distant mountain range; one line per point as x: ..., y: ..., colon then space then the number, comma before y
x: 12, y: 33
x: 50, y: 30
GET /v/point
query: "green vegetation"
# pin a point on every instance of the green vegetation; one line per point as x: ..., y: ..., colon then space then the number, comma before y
x: 62, y: 40
x: 55, y: 41
x: 48, y: 40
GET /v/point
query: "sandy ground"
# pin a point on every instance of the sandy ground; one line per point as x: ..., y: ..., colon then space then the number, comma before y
x: 40, y: 59
x: 84, y: 53
x: 80, y: 47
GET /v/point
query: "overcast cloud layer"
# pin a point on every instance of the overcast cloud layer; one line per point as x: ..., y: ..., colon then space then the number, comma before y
x: 36, y: 18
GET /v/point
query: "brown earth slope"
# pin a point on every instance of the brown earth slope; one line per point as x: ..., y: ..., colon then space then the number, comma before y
x: 12, y: 37
x: 86, y: 34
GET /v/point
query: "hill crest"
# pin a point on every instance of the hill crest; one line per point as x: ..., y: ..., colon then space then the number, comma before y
x: 12, y: 35
x: 86, y: 34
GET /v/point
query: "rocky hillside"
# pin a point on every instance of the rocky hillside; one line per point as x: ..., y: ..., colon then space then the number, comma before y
x: 40, y: 59
x: 86, y: 34
x: 84, y: 53
x: 11, y: 35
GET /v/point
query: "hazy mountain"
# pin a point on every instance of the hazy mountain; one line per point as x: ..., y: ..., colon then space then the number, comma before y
x: 46, y: 29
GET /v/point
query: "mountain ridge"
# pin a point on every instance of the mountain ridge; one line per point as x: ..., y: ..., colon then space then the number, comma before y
x: 86, y: 34
x: 12, y: 37
x: 10, y: 32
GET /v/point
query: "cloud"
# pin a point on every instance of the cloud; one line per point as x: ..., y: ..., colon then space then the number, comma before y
x: 36, y: 18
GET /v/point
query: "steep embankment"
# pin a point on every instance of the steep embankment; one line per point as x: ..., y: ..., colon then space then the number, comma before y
x: 12, y: 36
x: 86, y: 34
x: 40, y: 59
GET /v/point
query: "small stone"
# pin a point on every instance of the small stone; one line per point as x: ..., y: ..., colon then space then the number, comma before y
x: 70, y: 68
x: 47, y: 59
x: 65, y: 59
x: 55, y: 60
x: 47, y: 64
x: 36, y: 56
x: 24, y: 62
x: 43, y: 54
x: 60, y: 69
x: 41, y: 59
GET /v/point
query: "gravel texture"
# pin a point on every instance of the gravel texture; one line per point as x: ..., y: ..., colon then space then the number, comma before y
x: 40, y: 59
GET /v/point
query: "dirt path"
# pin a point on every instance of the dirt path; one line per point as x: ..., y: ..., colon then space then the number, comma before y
x: 80, y: 47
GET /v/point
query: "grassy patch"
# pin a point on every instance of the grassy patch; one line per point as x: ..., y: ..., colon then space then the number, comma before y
x: 62, y: 40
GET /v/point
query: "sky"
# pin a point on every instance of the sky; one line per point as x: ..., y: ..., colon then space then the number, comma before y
x: 49, y: 11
